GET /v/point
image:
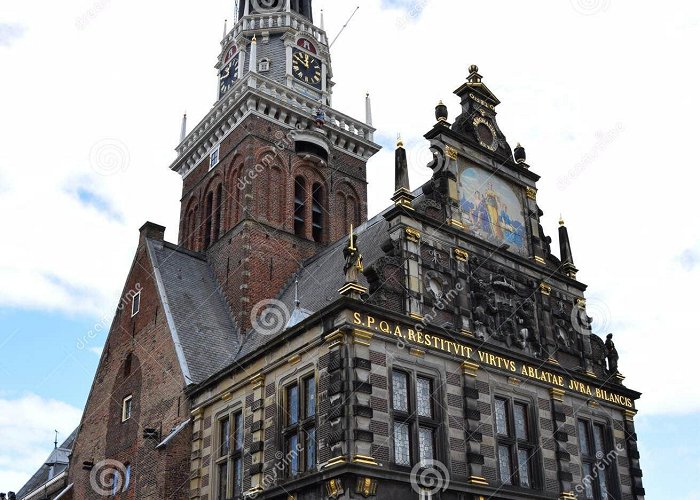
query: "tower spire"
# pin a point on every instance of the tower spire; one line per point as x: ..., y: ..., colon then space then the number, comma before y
x: 225, y: 28
x: 567, y: 257
x: 402, y: 195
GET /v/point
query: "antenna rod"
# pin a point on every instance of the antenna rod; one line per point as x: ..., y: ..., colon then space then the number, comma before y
x: 345, y: 26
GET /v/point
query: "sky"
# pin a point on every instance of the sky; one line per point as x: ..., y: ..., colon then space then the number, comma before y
x: 602, y: 94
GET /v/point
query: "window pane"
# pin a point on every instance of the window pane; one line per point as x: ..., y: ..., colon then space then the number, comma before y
x: 292, y: 405
x: 402, y: 454
x: 524, y: 467
x: 504, y: 465
x: 310, y: 396
x: 588, y: 481
x: 424, y: 398
x: 501, y: 417
x: 238, y: 422
x: 425, y: 444
x: 311, y: 448
x: 603, y: 483
x: 400, y: 390
x: 599, y: 441
x: 521, y: 431
x: 293, y: 455
x: 225, y: 427
x: 583, y: 437
x: 223, y: 481
x: 238, y: 476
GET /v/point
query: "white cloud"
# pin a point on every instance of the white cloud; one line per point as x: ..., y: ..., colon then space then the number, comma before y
x: 103, y: 113
x: 27, y: 428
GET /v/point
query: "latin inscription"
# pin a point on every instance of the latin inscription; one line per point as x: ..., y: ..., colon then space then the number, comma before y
x: 466, y: 352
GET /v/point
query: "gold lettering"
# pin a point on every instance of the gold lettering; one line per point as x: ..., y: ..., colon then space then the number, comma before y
x: 428, y: 339
x: 370, y: 321
x: 411, y: 335
x: 357, y: 318
x: 398, y: 332
x: 420, y: 337
x: 384, y: 327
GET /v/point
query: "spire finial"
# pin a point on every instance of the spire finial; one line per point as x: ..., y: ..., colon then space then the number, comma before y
x: 297, y: 302
x: 399, y: 140
x: 520, y: 155
x: 323, y: 23
x: 441, y: 112
x: 225, y: 27
x: 253, y: 64
x: 368, y: 110
x: 183, y: 129
x: 561, y: 220
x: 55, y: 441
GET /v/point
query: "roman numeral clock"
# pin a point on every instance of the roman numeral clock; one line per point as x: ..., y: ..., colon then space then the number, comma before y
x: 307, y: 70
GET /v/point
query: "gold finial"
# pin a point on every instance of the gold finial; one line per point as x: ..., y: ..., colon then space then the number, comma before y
x: 561, y: 220
x: 399, y: 141
x: 255, y: 40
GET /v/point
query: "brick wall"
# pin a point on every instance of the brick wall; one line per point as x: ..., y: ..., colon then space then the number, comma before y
x: 155, y: 383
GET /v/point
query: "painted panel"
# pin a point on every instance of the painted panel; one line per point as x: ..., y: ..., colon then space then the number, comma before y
x: 491, y: 209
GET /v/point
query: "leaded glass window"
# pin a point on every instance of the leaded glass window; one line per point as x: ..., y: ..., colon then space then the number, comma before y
x: 402, y: 448
x: 599, y: 475
x: 400, y: 391
x: 311, y: 448
x: 424, y: 398
x: 300, y: 440
x: 222, y: 490
x: 310, y: 396
x: 517, y: 456
x: 501, y: 417
x: 504, y: 465
x: 416, y: 418
x: 425, y: 443
x: 293, y: 404
x: 230, y: 459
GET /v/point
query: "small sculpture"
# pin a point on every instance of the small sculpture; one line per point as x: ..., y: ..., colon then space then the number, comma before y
x: 611, y: 354
x: 353, y: 260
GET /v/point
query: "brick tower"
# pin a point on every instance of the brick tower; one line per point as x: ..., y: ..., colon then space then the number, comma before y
x: 273, y: 172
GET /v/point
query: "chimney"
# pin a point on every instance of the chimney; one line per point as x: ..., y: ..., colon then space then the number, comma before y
x: 151, y: 231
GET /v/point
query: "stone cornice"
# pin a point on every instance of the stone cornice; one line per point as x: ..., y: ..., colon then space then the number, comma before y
x: 257, y: 94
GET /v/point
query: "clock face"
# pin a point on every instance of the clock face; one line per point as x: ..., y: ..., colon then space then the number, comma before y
x: 486, y: 133
x: 307, y: 68
x: 228, y: 76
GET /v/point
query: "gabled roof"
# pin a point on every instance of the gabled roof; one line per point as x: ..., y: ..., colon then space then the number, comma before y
x: 205, y: 336
x: 59, y: 459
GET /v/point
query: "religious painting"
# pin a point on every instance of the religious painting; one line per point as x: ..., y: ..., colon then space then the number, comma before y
x: 491, y: 209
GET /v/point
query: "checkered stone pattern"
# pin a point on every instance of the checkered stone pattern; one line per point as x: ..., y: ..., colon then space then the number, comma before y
x: 564, y: 422
x: 474, y: 421
x: 454, y: 411
x: 630, y: 453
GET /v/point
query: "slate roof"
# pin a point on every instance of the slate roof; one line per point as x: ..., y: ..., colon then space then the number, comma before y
x: 322, y: 276
x: 59, y: 457
x: 205, y: 336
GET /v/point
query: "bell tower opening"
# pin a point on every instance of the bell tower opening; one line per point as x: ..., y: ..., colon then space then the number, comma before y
x: 258, y: 7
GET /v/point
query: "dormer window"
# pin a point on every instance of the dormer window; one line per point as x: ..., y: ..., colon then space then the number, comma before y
x: 264, y: 65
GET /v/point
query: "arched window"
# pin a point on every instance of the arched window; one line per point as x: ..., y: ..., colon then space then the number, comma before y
x: 191, y: 229
x: 300, y: 207
x: 207, y: 220
x: 217, y: 214
x: 317, y: 212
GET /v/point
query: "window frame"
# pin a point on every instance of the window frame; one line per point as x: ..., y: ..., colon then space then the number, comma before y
x: 229, y: 454
x: 415, y: 421
x: 136, y: 304
x: 299, y: 430
x: 127, y: 402
x: 214, y: 157
x: 591, y: 459
x: 515, y: 444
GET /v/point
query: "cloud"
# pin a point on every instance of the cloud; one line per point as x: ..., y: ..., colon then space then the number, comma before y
x: 27, y: 434
x: 9, y: 33
x: 689, y: 259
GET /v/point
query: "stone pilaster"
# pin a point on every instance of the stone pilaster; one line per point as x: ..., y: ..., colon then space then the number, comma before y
x: 475, y: 458
x: 633, y: 454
